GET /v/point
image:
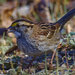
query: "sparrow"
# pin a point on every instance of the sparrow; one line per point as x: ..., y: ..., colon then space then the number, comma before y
x: 34, y: 38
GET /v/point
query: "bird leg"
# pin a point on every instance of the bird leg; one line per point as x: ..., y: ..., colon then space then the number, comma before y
x: 30, y: 62
x: 51, y: 62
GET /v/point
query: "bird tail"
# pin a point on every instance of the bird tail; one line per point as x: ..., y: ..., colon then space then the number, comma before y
x: 66, y: 18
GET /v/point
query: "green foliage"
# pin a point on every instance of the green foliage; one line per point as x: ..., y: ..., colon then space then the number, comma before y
x: 2, y: 1
x: 6, y: 43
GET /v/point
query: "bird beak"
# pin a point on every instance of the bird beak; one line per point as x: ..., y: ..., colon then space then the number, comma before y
x: 10, y: 29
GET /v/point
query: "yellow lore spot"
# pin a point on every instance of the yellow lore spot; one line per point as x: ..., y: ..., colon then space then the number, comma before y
x: 14, y: 24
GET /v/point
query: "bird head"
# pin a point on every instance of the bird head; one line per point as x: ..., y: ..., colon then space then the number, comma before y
x: 19, y: 26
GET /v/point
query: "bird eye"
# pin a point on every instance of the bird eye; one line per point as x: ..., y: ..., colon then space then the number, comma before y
x: 18, y: 25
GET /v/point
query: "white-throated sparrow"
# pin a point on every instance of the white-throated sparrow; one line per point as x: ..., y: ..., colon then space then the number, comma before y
x: 36, y: 38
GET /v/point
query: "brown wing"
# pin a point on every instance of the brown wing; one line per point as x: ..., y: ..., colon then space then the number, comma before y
x: 49, y: 29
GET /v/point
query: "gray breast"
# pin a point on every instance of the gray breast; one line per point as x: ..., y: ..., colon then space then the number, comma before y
x: 27, y: 48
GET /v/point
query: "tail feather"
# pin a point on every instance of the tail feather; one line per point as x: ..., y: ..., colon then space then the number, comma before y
x: 66, y: 18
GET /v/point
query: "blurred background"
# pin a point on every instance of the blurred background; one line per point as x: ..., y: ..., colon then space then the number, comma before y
x: 44, y: 11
